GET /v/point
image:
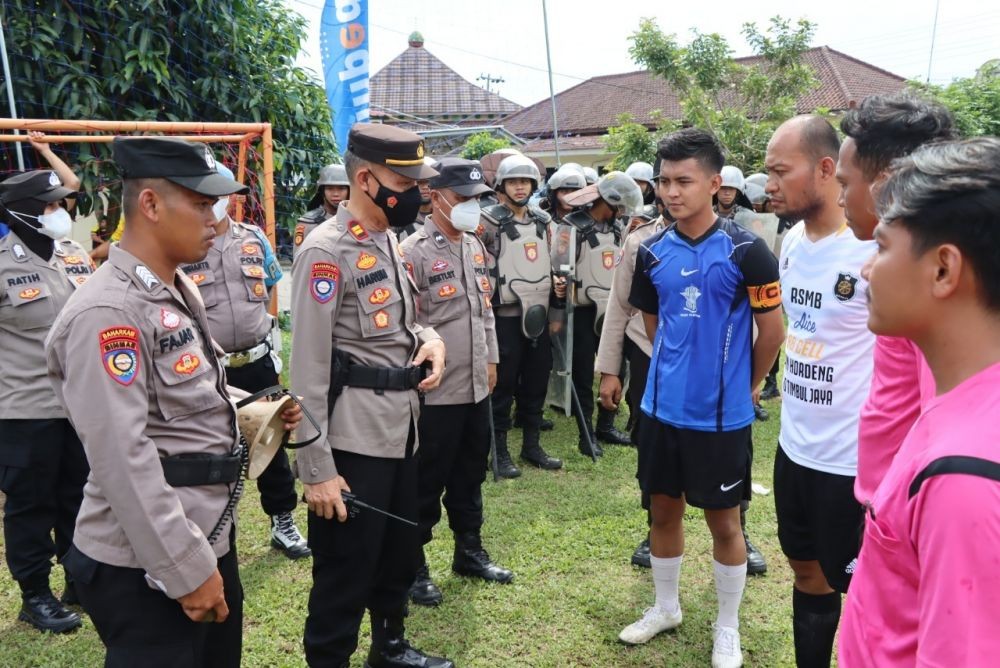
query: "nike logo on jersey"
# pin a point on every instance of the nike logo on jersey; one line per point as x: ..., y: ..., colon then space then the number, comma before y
x: 685, y: 272
x: 726, y: 488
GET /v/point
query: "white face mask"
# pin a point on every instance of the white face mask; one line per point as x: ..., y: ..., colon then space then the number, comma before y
x: 464, y: 216
x: 220, y: 208
x: 55, y: 225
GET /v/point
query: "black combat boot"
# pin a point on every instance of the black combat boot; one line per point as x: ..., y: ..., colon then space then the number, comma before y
x: 607, y: 431
x: 545, y: 425
x: 532, y: 452
x: 423, y: 591
x: 640, y: 557
x: 472, y: 560
x: 505, y: 465
x: 43, y: 611
x: 770, y: 390
x: 756, y: 564
x: 390, y: 649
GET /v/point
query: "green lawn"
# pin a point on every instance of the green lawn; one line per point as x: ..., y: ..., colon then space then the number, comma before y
x: 568, y: 536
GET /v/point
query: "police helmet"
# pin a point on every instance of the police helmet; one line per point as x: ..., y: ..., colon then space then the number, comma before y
x: 517, y: 167
x: 732, y: 177
x: 641, y: 171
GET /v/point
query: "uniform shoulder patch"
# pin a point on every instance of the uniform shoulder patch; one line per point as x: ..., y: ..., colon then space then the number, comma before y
x: 324, y: 278
x: 120, y: 353
x: 357, y: 231
x: 300, y: 234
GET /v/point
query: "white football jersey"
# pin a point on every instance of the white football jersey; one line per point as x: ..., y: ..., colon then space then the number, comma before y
x: 828, y: 348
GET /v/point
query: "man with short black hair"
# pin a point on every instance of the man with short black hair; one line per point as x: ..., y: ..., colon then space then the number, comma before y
x: 879, y: 130
x: 828, y: 361
x: 926, y: 591
x: 699, y: 284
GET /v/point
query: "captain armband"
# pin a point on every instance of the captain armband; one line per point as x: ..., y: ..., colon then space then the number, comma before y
x: 765, y: 297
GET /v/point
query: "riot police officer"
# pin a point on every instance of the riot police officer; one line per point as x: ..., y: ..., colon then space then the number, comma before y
x: 517, y: 240
x: 642, y: 174
x: 357, y: 352
x: 332, y: 188
x: 235, y: 280
x: 564, y: 181
x: 42, y: 464
x: 598, y: 239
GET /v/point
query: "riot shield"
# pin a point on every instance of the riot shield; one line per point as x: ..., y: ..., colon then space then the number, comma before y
x: 764, y: 225
x: 561, y: 320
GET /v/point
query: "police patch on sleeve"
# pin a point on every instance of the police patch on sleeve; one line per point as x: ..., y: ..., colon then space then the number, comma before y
x: 120, y: 353
x: 324, y: 279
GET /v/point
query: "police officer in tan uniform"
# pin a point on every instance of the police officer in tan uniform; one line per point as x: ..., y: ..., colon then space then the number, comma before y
x: 234, y: 282
x: 357, y: 357
x: 517, y: 241
x: 598, y: 238
x: 449, y: 266
x: 42, y: 465
x: 131, y: 360
x: 332, y: 188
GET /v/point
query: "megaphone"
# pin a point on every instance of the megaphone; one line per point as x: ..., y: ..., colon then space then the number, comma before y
x: 263, y: 429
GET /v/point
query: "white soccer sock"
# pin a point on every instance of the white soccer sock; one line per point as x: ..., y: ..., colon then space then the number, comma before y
x: 729, y: 583
x: 666, y: 580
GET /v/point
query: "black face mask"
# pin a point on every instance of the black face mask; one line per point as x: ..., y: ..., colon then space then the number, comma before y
x: 649, y: 197
x: 400, y: 208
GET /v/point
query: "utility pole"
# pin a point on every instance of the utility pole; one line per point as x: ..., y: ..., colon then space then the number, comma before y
x: 490, y: 79
x: 552, y: 90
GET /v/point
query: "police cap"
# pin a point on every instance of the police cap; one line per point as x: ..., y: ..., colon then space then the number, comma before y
x: 42, y: 185
x: 465, y: 177
x: 188, y: 164
x: 400, y: 150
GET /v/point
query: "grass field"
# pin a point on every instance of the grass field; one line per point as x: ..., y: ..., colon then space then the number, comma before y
x: 567, y: 535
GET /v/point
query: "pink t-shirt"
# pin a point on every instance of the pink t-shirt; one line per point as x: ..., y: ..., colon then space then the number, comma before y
x: 926, y: 589
x: 901, y: 385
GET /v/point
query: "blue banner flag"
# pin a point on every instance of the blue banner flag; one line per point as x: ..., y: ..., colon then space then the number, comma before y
x: 343, y: 38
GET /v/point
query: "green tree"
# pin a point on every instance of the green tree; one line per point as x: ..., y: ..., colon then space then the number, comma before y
x: 167, y: 60
x: 975, y: 101
x: 741, y: 104
x: 633, y: 142
x: 482, y: 143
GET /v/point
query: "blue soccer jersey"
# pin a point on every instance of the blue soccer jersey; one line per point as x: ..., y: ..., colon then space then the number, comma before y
x: 703, y: 291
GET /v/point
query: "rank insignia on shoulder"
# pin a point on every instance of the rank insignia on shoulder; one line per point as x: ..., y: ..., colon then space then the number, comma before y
x: 19, y: 253
x: 120, y: 353
x: 324, y: 277
x: 187, y: 363
x: 357, y: 231
x: 438, y: 237
x: 366, y: 261
x: 169, y: 319
x: 146, y: 276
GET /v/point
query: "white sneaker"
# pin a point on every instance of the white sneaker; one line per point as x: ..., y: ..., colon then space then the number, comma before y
x: 654, y: 620
x: 726, y: 652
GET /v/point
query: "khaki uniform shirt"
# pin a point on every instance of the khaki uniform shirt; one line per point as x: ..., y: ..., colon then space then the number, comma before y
x: 231, y: 281
x: 32, y: 292
x: 454, y: 298
x: 351, y: 291
x: 622, y: 319
x: 131, y: 360
x: 305, y: 225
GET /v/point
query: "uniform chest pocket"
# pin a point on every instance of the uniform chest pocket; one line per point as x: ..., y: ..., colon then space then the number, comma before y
x: 448, y: 300
x: 253, y: 280
x: 380, y: 309
x: 32, y: 304
x: 204, y: 278
x: 186, y: 383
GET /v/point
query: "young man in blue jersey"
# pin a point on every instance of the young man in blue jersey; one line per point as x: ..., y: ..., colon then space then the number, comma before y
x: 700, y: 283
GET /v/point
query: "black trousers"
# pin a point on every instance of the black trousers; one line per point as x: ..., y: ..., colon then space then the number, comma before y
x: 276, y: 484
x: 523, y: 373
x: 42, y: 472
x: 638, y: 364
x: 369, y: 561
x: 454, y: 447
x: 585, y: 342
x: 140, y: 626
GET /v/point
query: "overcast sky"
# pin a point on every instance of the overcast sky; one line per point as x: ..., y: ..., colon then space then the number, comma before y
x: 505, y: 38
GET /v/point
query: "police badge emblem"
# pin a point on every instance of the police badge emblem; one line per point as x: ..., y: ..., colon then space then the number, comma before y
x: 845, y: 287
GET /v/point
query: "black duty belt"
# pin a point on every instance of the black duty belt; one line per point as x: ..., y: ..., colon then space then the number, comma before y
x: 192, y: 470
x: 382, y: 378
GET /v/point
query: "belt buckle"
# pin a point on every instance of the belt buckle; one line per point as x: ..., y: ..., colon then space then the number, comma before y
x: 239, y: 359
